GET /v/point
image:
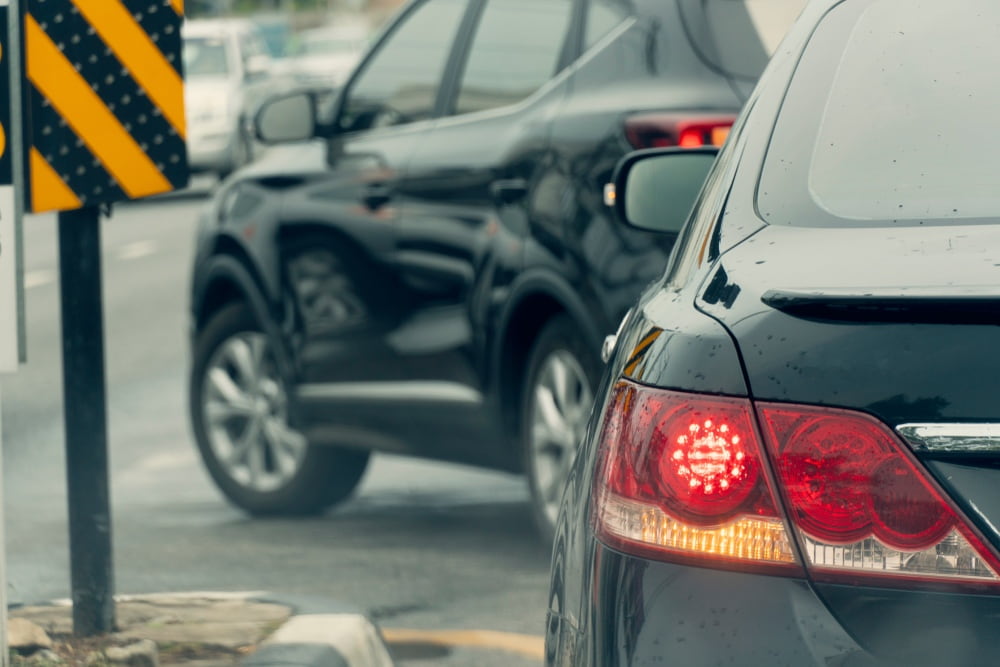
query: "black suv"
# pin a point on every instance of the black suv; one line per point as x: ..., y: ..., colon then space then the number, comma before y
x: 428, y: 265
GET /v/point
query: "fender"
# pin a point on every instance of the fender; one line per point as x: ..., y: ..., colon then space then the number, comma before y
x: 230, y: 269
x: 534, y: 282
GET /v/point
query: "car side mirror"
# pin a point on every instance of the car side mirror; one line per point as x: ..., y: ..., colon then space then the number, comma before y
x: 286, y: 118
x: 654, y: 190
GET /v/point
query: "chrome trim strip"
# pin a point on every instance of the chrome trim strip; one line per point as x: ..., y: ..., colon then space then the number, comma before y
x: 394, y: 390
x: 952, y: 438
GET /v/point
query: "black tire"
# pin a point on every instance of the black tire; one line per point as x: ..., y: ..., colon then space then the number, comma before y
x: 559, y: 339
x: 320, y: 477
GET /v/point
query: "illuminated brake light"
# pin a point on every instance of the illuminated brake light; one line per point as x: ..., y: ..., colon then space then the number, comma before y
x: 863, y: 505
x: 682, y: 476
x: 686, y: 130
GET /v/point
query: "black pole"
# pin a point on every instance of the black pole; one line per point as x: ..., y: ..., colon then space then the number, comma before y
x: 85, y: 409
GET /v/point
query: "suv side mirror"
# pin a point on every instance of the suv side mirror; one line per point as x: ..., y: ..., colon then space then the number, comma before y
x: 654, y: 190
x: 286, y: 118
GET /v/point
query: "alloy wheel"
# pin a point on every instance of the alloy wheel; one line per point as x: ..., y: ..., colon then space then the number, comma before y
x: 245, y: 411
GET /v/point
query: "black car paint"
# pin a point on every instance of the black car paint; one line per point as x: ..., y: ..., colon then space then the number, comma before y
x: 717, y: 335
x: 463, y: 235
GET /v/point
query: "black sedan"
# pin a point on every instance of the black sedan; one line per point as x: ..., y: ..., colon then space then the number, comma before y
x: 430, y: 269
x: 795, y: 453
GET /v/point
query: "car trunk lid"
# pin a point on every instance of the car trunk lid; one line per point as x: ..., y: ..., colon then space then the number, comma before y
x: 900, y: 323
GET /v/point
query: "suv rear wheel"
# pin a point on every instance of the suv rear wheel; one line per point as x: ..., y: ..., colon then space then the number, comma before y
x: 239, y: 412
x: 556, y: 400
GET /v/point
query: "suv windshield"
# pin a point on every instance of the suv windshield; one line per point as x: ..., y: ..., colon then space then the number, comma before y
x: 887, y: 118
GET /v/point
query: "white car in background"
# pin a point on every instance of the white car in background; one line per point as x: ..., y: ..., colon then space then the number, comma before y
x: 227, y: 69
x: 323, y: 57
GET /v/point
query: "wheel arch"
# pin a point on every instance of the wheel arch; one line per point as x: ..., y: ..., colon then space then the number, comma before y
x: 300, y: 232
x: 228, y: 276
x: 534, y: 302
x: 367, y: 274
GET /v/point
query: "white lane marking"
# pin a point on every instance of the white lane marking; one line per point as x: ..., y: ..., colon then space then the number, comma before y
x: 180, y: 458
x: 210, y: 596
x: 38, y: 278
x: 152, y: 468
x: 136, y: 250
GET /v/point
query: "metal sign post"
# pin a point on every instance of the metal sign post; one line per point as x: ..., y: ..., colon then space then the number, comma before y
x: 84, y: 391
x: 102, y: 103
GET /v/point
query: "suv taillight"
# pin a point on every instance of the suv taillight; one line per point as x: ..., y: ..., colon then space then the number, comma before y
x: 685, y: 477
x: 682, y: 476
x: 685, y: 130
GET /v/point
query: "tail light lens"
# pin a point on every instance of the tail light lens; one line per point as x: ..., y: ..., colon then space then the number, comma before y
x: 863, y: 505
x: 682, y: 475
x: 686, y: 477
x: 691, y: 130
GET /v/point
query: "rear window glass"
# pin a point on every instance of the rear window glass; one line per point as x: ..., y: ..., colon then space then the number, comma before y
x: 889, y: 118
x: 738, y: 36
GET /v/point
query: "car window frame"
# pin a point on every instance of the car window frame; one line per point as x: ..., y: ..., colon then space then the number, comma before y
x: 569, y: 51
x: 461, y: 37
x: 582, y: 45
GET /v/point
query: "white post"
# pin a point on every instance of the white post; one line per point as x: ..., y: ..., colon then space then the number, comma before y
x: 13, y: 345
x: 8, y: 364
x: 4, y: 649
x: 11, y: 332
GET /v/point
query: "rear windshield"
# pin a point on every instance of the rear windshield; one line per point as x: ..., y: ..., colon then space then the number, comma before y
x: 890, y: 118
x: 738, y: 36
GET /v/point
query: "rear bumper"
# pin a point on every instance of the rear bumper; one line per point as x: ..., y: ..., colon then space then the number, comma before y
x: 645, y: 613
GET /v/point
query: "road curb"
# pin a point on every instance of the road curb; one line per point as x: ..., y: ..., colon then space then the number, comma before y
x: 320, y: 633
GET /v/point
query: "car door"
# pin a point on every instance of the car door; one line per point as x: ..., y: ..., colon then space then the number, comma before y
x: 460, y: 239
x: 338, y: 228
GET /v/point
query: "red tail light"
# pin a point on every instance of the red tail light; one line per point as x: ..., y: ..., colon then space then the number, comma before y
x: 683, y: 475
x: 863, y: 505
x: 691, y: 130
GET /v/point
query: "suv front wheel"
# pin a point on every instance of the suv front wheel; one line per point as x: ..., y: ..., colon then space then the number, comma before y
x: 239, y: 412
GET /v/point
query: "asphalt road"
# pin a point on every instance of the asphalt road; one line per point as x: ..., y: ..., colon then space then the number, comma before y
x: 422, y: 545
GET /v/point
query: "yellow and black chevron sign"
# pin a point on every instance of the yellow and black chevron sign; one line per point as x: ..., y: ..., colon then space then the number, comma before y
x: 104, y: 101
